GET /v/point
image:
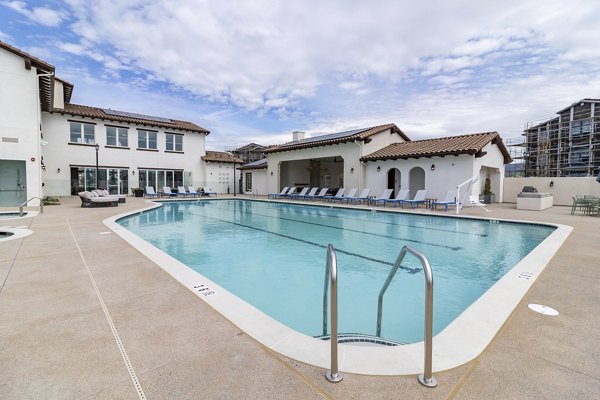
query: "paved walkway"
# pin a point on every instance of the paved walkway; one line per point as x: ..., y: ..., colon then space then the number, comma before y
x: 84, y: 315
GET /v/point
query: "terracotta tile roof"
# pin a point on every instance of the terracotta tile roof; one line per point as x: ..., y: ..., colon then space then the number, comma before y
x: 137, y: 119
x: 221, y: 156
x: 336, y: 138
x: 258, y: 164
x: 453, y: 145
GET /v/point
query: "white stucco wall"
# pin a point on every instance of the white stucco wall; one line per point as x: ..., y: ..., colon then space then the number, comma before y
x: 60, y: 154
x: 563, y: 189
x: 259, y: 180
x: 491, y: 164
x: 449, y: 172
x: 20, y: 119
x: 218, y: 177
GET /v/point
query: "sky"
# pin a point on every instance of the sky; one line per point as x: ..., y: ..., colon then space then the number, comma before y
x: 254, y: 71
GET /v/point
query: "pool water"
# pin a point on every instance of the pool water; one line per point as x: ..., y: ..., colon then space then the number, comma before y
x: 272, y: 255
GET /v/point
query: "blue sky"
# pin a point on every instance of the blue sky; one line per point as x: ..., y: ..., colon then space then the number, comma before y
x: 254, y: 71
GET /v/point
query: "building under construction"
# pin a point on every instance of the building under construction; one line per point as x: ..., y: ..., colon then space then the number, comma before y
x: 567, y: 145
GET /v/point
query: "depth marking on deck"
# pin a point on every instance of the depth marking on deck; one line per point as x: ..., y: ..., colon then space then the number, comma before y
x: 132, y: 374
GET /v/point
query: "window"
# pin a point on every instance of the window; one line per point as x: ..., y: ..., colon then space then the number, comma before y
x: 116, y: 136
x: 580, y: 127
x: 160, y: 178
x: 174, y: 142
x: 248, y: 181
x: 147, y: 140
x: 82, y: 133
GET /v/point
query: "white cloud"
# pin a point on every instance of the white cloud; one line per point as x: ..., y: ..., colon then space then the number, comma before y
x: 5, y: 37
x: 41, y: 15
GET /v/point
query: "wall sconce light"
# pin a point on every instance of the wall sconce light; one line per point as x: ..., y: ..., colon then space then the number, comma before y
x: 133, y: 172
x: 352, y: 170
x: 551, y: 183
x: 32, y: 159
x: 58, y: 170
x: 433, y: 167
x: 378, y: 168
x: 271, y: 173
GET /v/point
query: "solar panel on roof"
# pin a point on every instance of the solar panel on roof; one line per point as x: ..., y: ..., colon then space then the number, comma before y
x: 136, y: 116
x: 331, y: 136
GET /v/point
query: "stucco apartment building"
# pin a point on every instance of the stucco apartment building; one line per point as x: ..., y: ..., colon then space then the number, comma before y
x: 50, y: 146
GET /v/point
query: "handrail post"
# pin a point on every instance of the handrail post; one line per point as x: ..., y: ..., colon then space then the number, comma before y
x: 27, y: 201
x: 426, y: 378
x: 333, y: 375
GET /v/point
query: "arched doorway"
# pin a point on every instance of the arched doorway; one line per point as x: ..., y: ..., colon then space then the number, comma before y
x: 394, y: 180
x: 416, y: 180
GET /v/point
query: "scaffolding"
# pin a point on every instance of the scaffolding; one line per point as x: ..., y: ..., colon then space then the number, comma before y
x: 567, y: 145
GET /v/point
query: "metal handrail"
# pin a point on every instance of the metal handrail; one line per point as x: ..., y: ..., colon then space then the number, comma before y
x: 25, y: 203
x: 426, y: 377
x: 333, y: 375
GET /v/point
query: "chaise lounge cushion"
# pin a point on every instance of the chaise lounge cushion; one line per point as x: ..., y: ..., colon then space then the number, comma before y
x: 89, y: 200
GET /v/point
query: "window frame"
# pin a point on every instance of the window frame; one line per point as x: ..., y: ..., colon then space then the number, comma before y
x: 176, y: 142
x: 82, y: 135
x: 120, y: 132
x: 147, y: 134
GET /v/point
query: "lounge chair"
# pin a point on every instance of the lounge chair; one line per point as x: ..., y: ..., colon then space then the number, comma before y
x: 309, y: 195
x: 384, y: 196
x: 167, y: 192
x: 339, y: 196
x: 364, y: 196
x: 150, y: 192
x: 181, y: 190
x: 90, y: 200
x: 449, y: 200
x: 418, y: 199
x: 299, y: 195
x: 192, y: 191
x: 474, y: 200
x: 321, y: 194
x: 290, y: 192
x: 104, y: 193
x: 402, y: 196
x: 283, y: 191
x: 206, y: 191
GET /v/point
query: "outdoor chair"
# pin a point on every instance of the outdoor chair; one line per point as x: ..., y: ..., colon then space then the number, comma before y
x: 474, y: 200
x: 104, y: 193
x: 150, y: 192
x: 283, y: 192
x: 206, y: 191
x: 400, y: 197
x: 89, y: 200
x: 449, y: 200
x: 290, y: 192
x: 418, y: 199
x: 310, y: 195
x: 299, y: 195
x: 181, y: 190
x: 339, y: 196
x: 363, y: 197
x: 167, y: 192
x: 321, y: 194
x: 192, y: 191
x: 381, y: 199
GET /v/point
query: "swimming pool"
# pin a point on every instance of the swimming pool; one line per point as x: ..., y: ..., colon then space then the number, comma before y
x: 272, y: 256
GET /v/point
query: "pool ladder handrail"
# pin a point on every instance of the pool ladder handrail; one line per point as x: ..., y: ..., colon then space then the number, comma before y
x: 25, y: 203
x: 333, y: 375
x: 426, y: 378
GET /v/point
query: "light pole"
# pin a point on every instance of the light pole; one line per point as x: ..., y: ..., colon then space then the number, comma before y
x: 97, y: 148
x: 234, y: 182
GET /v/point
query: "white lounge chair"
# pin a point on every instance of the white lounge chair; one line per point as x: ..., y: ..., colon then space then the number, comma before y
x: 384, y: 196
x: 150, y: 192
x: 418, y: 199
x: 309, y: 195
x: 283, y: 192
x: 104, y: 193
x: 339, y: 196
x: 449, y: 200
x: 402, y: 196
x: 364, y: 196
x: 321, y: 194
x: 290, y: 192
x: 167, y: 192
x: 192, y: 191
x: 299, y: 195
x: 181, y: 190
x: 90, y: 200
x: 474, y: 200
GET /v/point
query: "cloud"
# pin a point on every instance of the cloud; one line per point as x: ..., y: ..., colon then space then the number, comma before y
x: 41, y: 15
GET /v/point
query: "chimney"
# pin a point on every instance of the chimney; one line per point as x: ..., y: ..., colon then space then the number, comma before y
x: 297, y: 135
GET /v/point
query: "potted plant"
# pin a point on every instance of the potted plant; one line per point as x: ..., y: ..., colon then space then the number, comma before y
x: 488, y: 196
x: 138, y: 192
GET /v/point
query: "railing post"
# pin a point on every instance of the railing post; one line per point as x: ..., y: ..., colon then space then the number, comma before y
x: 333, y: 375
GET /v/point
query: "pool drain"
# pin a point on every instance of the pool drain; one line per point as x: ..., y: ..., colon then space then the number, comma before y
x: 544, y: 310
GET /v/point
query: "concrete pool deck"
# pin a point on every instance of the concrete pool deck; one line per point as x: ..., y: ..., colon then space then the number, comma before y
x: 85, y: 315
